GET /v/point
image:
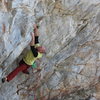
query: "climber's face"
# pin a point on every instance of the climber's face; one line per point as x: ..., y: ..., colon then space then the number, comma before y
x: 41, y: 49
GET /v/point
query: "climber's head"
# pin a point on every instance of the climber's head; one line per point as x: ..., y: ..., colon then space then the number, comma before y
x: 41, y: 49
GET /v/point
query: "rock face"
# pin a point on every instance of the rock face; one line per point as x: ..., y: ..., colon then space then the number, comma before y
x: 70, y: 31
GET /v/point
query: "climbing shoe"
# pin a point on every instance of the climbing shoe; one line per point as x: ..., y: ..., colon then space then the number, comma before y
x: 3, y: 80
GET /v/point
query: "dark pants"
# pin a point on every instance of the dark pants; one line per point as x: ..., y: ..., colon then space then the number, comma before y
x: 21, y: 68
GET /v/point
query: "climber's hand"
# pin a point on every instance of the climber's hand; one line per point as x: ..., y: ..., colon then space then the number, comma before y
x: 36, y: 70
x: 36, y: 26
x: 36, y: 32
x: 39, y: 69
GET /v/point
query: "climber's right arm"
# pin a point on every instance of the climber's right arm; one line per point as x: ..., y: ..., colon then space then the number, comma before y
x: 35, y: 41
x: 32, y: 43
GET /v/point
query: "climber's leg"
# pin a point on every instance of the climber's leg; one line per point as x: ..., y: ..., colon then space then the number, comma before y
x: 21, y: 67
x: 24, y: 71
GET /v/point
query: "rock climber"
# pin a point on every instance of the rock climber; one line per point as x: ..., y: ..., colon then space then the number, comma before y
x: 36, y: 51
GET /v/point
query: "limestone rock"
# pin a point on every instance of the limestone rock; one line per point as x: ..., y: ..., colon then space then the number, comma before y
x: 70, y: 31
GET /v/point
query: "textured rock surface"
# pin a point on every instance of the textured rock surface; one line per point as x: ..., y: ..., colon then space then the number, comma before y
x: 70, y: 30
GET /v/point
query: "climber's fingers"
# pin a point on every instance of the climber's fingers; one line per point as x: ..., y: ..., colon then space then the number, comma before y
x: 36, y: 26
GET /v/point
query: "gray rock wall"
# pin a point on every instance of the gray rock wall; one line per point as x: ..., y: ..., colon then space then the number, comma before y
x: 70, y: 31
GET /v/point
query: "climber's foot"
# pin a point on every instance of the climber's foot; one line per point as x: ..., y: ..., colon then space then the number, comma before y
x: 4, y: 80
